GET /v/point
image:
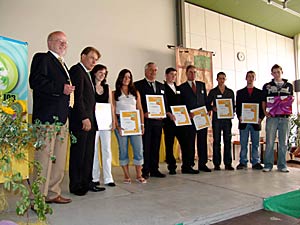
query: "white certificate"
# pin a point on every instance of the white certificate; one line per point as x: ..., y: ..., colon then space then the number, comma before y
x: 130, y: 122
x: 181, y: 114
x: 103, y: 116
x: 201, y: 119
x: 156, y: 106
x: 224, y: 108
x: 250, y: 113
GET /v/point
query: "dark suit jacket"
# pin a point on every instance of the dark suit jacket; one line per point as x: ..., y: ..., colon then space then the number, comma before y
x: 173, y: 99
x: 144, y: 88
x: 47, y: 79
x: 190, y: 99
x: 84, y: 96
x: 242, y: 96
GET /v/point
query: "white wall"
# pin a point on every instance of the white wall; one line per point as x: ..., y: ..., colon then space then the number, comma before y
x: 128, y: 33
x: 226, y: 36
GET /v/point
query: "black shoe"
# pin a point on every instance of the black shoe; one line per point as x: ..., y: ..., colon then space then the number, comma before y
x: 145, y: 176
x: 172, y: 172
x: 111, y: 184
x: 96, y: 189
x: 257, y: 166
x: 217, y: 168
x: 157, y: 174
x: 204, y: 168
x: 189, y: 171
x: 79, y: 192
x: 229, y: 167
x: 97, y: 183
x: 241, y: 167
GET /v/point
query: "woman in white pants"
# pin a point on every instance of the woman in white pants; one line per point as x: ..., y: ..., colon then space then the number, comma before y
x: 102, y: 95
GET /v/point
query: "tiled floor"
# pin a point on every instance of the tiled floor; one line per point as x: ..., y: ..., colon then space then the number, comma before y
x: 205, y: 198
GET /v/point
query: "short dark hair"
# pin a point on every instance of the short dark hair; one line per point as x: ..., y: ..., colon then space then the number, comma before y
x: 89, y: 49
x: 189, y: 67
x: 220, y: 73
x: 276, y: 66
x: 170, y: 69
x: 249, y: 72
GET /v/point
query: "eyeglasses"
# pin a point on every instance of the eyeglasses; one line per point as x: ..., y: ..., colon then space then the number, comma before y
x: 61, y: 42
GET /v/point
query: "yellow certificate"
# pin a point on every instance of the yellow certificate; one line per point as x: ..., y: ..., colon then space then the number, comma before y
x: 130, y: 122
x: 201, y: 119
x: 224, y: 108
x: 181, y: 114
x: 250, y: 113
x: 156, y: 106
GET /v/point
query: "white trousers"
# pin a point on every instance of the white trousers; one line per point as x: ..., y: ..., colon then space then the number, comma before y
x: 105, y: 137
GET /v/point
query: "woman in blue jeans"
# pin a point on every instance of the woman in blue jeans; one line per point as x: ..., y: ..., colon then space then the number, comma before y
x: 126, y: 97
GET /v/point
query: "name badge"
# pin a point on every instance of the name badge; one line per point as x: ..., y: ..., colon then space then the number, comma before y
x: 202, y: 91
x: 177, y: 92
x: 219, y: 96
x: 162, y: 91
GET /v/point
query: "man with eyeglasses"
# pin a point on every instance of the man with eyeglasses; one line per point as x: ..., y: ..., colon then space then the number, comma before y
x: 83, y: 124
x: 50, y: 82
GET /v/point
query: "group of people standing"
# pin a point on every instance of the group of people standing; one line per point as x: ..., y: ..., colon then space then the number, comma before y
x: 70, y: 96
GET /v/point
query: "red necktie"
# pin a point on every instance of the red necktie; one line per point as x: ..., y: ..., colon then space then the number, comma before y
x: 194, y: 87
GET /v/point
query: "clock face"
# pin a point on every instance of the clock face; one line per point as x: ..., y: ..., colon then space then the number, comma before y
x: 241, y: 56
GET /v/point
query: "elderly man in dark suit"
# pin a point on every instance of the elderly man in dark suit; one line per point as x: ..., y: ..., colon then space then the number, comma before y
x: 83, y: 125
x: 50, y: 82
x: 153, y: 127
x: 193, y: 94
x: 249, y: 94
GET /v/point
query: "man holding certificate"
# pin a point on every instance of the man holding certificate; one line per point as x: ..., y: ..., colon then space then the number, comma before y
x: 221, y: 100
x: 171, y: 131
x: 153, y: 125
x: 250, y: 114
x: 193, y: 94
x: 277, y: 106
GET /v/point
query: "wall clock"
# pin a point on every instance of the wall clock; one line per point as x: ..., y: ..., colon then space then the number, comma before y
x: 240, y: 56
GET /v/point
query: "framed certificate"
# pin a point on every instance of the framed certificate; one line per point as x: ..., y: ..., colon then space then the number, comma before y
x: 224, y: 108
x: 201, y: 119
x: 130, y: 122
x: 103, y: 116
x: 250, y: 113
x: 156, y: 106
x: 181, y: 114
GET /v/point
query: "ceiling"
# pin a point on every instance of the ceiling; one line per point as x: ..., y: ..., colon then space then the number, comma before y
x: 257, y: 12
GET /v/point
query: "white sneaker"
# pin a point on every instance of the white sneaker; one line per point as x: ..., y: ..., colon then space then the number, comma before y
x: 284, y: 170
x: 266, y: 169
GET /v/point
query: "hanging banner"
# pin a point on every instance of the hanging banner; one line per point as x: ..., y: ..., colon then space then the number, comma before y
x: 13, y: 84
x: 202, y: 60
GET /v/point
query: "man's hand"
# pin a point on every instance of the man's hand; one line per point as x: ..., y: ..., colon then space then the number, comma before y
x: 86, y: 124
x: 68, y: 89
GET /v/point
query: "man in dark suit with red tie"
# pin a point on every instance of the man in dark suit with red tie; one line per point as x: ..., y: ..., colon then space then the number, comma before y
x: 51, y: 87
x: 172, y: 94
x: 83, y: 125
x: 153, y: 127
x: 193, y: 94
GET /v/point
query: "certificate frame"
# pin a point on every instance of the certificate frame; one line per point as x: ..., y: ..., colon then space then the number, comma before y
x: 250, y: 113
x: 156, y: 106
x: 201, y: 118
x: 224, y: 108
x: 181, y: 114
x: 130, y: 122
x: 103, y: 116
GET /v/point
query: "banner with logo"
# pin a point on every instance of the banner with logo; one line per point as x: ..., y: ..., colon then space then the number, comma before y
x: 14, y: 82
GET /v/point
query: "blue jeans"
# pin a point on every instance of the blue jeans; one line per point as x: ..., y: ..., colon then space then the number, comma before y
x: 244, y: 136
x: 282, y: 125
x: 137, y: 146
